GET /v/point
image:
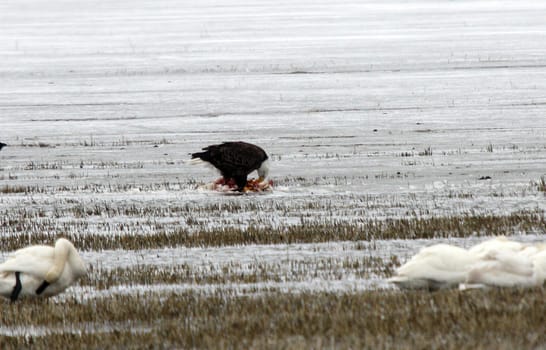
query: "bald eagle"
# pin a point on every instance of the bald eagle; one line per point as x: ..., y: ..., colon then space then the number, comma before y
x: 236, y: 160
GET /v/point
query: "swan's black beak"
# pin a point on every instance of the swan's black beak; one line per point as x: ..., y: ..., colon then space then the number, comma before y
x: 42, y: 287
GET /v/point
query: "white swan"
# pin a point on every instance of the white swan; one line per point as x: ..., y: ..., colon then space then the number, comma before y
x: 436, y: 267
x: 40, y: 271
x: 495, y: 262
x: 499, y: 243
x: 524, y: 268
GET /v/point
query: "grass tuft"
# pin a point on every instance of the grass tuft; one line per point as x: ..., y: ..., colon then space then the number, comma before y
x: 541, y: 184
x: 307, y: 231
x: 497, y: 318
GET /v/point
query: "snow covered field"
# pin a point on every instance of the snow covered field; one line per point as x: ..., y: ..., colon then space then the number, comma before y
x: 369, y: 110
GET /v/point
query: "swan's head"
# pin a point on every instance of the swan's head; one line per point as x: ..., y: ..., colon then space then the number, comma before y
x: 77, y: 265
x: 65, y: 253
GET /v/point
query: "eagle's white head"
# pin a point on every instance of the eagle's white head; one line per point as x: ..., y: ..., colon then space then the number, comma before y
x: 263, y: 170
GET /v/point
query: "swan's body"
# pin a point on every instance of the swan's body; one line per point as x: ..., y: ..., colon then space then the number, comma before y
x: 526, y: 268
x: 495, y: 262
x: 40, y: 271
x: 436, y: 267
x: 500, y: 243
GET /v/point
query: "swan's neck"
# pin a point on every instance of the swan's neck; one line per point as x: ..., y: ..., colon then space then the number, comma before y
x: 63, y: 249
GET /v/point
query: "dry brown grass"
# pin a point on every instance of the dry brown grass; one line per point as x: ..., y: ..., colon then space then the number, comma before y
x: 493, y: 319
x: 305, y: 232
x: 6, y: 189
x: 541, y: 184
x: 234, y: 272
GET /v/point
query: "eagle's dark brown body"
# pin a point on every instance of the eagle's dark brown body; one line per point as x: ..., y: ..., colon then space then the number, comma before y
x: 235, y: 160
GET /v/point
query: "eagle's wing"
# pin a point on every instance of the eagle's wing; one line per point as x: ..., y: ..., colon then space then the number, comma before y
x: 241, y: 155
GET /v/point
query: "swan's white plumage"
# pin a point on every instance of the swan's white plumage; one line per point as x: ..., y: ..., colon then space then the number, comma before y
x: 60, y: 265
x: 502, y: 269
x: 30, y: 260
x: 500, y: 243
x: 539, y: 265
x: 495, y: 262
x: 435, y: 267
x: 525, y: 268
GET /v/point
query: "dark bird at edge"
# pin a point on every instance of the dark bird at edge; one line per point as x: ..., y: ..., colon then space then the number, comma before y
x: 236, y: 160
